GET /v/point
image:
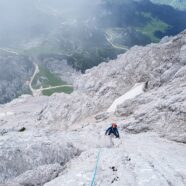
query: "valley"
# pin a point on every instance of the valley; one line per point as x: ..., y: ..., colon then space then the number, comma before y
x: 87, y: 41
x: 25, y: 76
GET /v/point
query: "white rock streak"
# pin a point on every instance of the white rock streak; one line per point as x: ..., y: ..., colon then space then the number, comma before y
x: 132, y: 93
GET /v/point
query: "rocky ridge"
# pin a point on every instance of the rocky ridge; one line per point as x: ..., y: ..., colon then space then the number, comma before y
x: 161, y: 66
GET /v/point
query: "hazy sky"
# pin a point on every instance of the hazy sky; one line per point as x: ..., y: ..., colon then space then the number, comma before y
x: 26, y: 17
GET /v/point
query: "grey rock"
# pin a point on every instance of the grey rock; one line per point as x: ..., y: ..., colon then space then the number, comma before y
x: 102, y: 117
x: 38, y: 176
x: 21, y: 152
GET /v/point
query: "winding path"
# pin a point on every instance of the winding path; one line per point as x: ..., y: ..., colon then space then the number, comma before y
x: 9, y: 51
x: 59, y: 86
x: 36, y: 92
x: 32, y: 78
x: 109, y: 38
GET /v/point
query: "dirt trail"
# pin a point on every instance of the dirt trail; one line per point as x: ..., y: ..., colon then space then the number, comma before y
x: 9, y: 50
x: 109, y: 38
x: 36, y: 92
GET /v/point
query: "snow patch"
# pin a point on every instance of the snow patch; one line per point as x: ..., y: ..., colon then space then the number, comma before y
x: 132, y: 93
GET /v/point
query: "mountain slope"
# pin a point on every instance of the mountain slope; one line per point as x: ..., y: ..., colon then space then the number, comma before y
x: 179, y: 4
x: 33, y: 128
x: 15, y: 72
x: 142, y: 159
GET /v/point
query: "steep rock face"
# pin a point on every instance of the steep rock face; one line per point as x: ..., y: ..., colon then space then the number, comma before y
x: 141, y: 160
x: 155, y: 63
x: 162, y: 110
x: 162, y: 66
x: 15, y: 71
x: 55, y: 127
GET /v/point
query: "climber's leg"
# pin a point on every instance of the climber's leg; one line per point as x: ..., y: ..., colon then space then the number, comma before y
x: 111, y: 136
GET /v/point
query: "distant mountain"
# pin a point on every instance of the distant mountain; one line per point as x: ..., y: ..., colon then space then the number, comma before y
x: 88, y: 38
x: 179, y: 4
x: 115, y: 26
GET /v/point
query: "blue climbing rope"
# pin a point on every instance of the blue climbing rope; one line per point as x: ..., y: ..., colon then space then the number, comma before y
x: 95, y: 170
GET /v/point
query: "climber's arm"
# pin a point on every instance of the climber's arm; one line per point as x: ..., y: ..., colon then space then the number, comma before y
x: 108, y: 130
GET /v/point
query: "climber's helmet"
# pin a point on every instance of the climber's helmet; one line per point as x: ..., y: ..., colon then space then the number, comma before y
x: 114, y: 125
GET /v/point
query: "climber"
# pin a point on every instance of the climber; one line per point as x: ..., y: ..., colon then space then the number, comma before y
x: 113, y: 131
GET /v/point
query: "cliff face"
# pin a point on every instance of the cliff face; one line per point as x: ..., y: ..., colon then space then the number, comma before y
x: 77, y: 122
x: 161, y: 66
